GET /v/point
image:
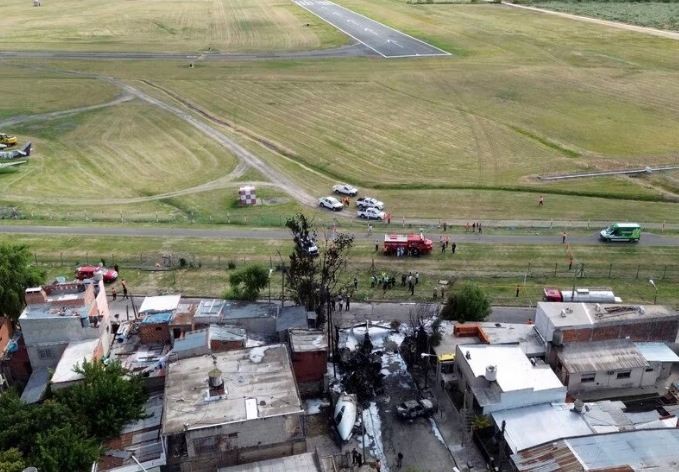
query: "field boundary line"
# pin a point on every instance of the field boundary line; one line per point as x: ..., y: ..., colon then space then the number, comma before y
x: 597, y: 21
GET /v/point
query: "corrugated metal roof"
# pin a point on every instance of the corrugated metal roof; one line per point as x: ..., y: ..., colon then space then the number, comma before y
x: 160, y: 303
x: 601, y: 355
x: 657, y: 352
x: 654, y: 449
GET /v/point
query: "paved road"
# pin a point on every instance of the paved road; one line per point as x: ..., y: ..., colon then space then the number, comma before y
x: 648, y: 239
x: 350, y: 50
x: 384, y: 40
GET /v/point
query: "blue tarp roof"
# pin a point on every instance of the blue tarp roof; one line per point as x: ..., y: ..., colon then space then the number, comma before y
x: 158, y: 318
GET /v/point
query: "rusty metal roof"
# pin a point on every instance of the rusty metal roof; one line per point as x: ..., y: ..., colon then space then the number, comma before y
x: 599, y: 356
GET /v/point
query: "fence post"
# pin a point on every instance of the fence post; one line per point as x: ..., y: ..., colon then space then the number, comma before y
x: 582, y: 270
x: 638, y: 266
x: 610, y: 268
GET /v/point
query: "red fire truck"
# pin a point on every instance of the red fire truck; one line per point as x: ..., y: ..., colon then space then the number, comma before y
x: 407, y: 245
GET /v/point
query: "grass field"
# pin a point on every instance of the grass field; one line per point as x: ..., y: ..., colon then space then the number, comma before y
x: 163, y: 25
x: 662, y: 15
x: 458, y: 137
x: 499, y: 270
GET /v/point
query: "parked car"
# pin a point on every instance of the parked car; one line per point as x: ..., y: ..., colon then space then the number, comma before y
x: 415, y: 408
x: 345, y: 189
x: 331, y: 203
x: 370, y: 214
x: 369, y: 202
x: 87, y: 272
x: 309, y: 246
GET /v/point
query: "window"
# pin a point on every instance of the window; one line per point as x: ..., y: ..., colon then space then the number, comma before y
x: 624, y: 375
x: 587, y: 378
x: 233, y: 435
x: 649, y: 369
x: 44, y: 354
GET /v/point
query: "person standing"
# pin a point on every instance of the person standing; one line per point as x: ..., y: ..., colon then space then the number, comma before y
x: 114, y: 294
x: 541, y: 201
x: 417, y: 278
x: 377, y: 245
x: 340, y: 302
x: 354, y: 456
x: 124, y: 284
x: 445, y: 228
x: 443, y: 247
x: 348, y: 299
x: 479, y: 227
x: 474, y: 227
x: 517, y: 291
x: 453, y: 247
x: 563, y: 237
x: 355, y: 283
x: 399, y: 460
x: 403, y: 279
x: 412, y: 288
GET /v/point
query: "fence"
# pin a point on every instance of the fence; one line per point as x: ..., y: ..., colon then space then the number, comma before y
x: 167, y: 261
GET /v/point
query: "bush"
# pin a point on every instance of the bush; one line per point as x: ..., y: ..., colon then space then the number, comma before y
x: 247, y: 282
x: 469, y: 304
x: 231, y: 265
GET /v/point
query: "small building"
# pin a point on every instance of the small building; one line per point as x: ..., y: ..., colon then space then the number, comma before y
x: 156, y: 314
x: 247, y: 195
x: 62, y: 313
x: 231, y: 408
x: 563, y: 323
x: 140, y: 439
x: 641, y: 450
x: 495, y: 378
x: 617, y: 363
x: 182, y: 320
x: 255, y: 318
x: 309, y: 353
x: 226, y: 338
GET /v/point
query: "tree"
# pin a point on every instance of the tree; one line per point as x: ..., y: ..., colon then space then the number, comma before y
x: 16, y: 275
x: 106, y: 398
x: 247, y: 282
x: 313, y: 280
x: 65, y: 447
x: 469, y: 304
x: 11, y: 460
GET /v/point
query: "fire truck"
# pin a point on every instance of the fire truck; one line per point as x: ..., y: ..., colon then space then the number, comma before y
x: 407, y: 245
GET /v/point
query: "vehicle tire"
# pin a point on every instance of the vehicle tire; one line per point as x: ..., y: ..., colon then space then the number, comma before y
x: 415, y: 252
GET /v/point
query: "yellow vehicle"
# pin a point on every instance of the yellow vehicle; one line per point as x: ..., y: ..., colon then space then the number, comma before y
x: 7, y: 139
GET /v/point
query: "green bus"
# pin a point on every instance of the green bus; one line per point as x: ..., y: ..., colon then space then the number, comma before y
x: 621, y: 232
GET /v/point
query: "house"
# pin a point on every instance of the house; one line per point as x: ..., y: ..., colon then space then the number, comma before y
x: 230, y: 408
x: 452, y: 335
x: 256, y: 318
x: 216, y: 338
x: 616, y: 363
x: 309, y: 353
x: 138, y: 440
x: 156, y: 314
x: 562, y: 323
x: 494, y: 378
x: 73, y: 356
x: 61, y: 313
x: 629, y: 451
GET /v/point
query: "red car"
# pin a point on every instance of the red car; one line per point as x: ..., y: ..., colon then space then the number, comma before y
x: 87, y: 272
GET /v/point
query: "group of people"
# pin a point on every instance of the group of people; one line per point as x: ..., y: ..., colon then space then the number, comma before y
x: 474, y: 227
x: 341, y: 301
x: 445, y: 243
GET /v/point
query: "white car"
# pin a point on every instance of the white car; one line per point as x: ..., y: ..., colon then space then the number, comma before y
x: 345, y: 189
x: 331, y: 203
x: 370, y: 214
x: 369, y: 202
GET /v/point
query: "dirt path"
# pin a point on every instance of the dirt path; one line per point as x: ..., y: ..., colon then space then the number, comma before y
x: 122, y: 98
x: 612, y: 24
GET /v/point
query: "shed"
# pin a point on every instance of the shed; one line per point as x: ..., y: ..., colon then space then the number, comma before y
x: 247, y: 195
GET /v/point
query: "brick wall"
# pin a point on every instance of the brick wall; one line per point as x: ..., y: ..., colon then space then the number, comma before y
x: 154, y: 333
x: 309, y: 366
x: 647, y: 330
x: 222, y: 346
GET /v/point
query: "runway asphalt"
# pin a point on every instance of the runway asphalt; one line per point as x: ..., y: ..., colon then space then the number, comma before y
x: 384, y: 40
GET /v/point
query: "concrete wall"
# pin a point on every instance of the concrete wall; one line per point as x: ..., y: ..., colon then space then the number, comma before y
x: 603, y: 380
x: 246, y: 441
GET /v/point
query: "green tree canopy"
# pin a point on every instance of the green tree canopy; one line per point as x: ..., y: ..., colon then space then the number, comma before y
x: 11, y: 460
x: 16, y: 275
x: 65, y: 447
x: 470, y: 303
x: 105, y: 399
x: 247, y: 282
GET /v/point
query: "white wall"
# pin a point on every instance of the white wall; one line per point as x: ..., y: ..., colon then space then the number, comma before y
x: 602, y: 380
